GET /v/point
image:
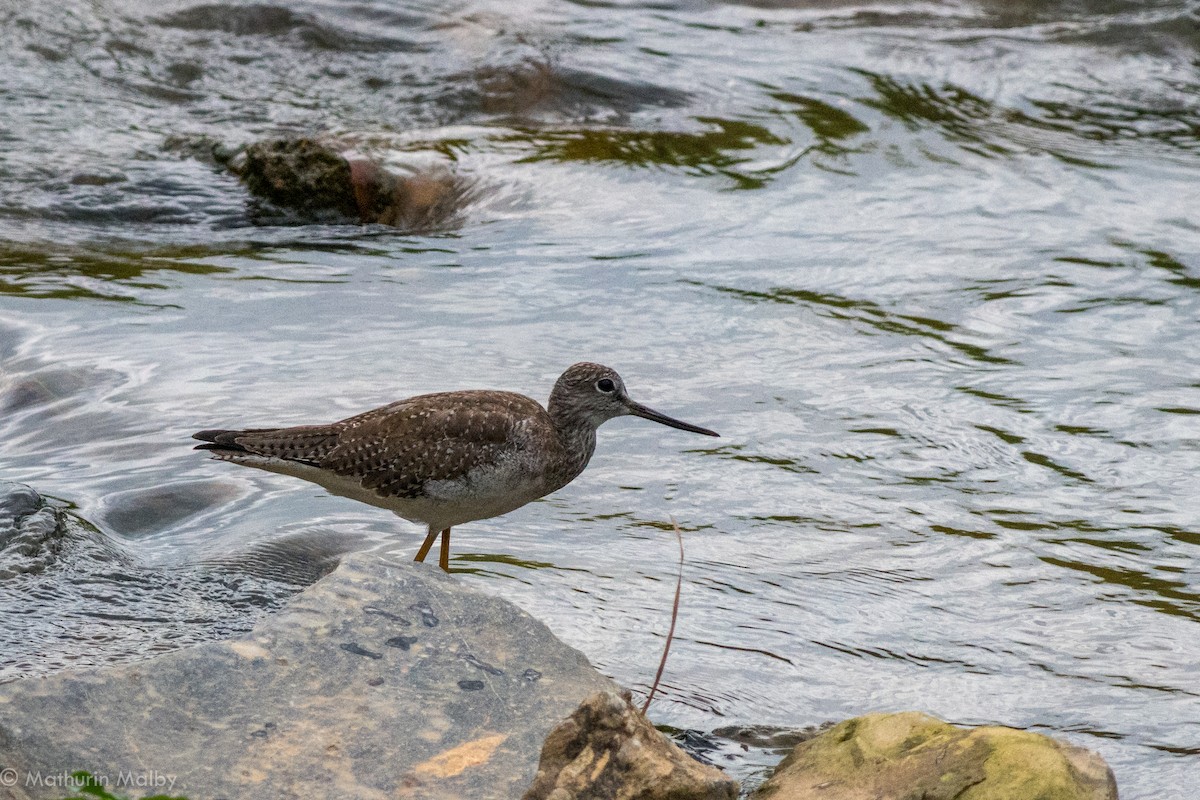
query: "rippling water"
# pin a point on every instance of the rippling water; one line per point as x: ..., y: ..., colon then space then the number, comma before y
x: 931, y: 268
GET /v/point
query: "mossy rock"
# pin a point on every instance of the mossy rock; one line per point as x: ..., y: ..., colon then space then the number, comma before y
x: 913, y: 756
x: 329, y: 180
x: 304, y: 175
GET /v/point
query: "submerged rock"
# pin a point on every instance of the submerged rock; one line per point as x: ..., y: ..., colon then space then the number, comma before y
x: 72, y: 596
x: 36, y: 537
x: 914, y: 755
x: 27, y: 525
x: 384, y: 679
x: 607, y: 750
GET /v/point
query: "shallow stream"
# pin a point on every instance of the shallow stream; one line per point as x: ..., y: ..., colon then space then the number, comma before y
x: 931, y: 268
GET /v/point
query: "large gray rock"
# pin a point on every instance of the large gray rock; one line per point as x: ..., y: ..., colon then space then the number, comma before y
x: 384, y: 679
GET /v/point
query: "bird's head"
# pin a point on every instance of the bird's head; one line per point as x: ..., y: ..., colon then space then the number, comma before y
x: 593, y: 393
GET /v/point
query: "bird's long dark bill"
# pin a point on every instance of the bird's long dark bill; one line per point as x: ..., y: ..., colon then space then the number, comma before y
x: 639, y: 410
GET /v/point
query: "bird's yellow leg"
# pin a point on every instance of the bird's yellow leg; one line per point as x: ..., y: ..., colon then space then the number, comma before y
x: 444, y: 559
x: 429, y: 540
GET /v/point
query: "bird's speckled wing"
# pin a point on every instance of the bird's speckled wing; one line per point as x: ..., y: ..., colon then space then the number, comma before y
x: 306, y: 444
x: 397, y: 449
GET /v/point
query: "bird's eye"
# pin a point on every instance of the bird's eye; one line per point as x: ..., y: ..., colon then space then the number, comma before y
x: 605, y: 385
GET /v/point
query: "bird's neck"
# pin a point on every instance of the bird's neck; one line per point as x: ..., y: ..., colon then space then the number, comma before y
x: 576, y: 437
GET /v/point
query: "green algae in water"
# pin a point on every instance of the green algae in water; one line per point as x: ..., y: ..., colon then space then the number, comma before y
x: 80, y: 273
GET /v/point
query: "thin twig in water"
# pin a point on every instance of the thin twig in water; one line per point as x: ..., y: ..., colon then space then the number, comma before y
x: 662, y: 664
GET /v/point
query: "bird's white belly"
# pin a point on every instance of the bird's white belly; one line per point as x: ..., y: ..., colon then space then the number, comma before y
x: 482, y: 493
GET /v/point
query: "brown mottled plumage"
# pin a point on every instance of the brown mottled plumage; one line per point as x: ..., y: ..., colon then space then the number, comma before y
x: 448, y: 458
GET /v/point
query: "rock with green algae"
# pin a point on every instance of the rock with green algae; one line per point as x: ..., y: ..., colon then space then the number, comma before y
x: 910, y: 755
